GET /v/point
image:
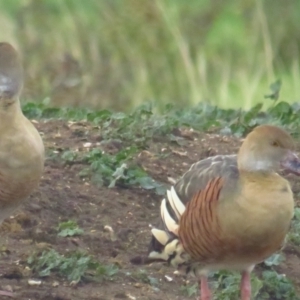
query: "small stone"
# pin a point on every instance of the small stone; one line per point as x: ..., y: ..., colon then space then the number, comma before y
x: 34, y: 282
x: 168, y: 278
x: 55, y: 284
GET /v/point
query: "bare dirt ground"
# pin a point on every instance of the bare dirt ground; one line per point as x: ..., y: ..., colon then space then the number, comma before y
x: 63, y: 195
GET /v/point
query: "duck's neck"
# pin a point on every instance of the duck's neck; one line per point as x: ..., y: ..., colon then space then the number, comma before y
x: 9, y: 113
x: 258, y: 166
x: 254, y: 163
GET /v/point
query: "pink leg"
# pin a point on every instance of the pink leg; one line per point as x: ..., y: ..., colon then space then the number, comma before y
x: 204, y: 289
x: 245, y: 286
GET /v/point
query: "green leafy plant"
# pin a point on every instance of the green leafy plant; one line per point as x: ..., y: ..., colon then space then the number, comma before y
x: 277, y: 286
x: 143, y: 124
x: 274, y: 260
x: 75, y: 266
x: 227, y: 285
x: 69, y: 156
x: 294, y: 234
x: 69, y: 228
x: 189, y: 290
x: 117, y: 170
x: 142, y: 276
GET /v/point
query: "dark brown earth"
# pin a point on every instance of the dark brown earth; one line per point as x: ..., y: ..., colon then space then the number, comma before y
x: 63, y: 195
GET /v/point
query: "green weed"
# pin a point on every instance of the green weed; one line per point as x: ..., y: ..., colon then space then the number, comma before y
x: 143, y: 123
x: 189, y: 290
x: 38, y: 110
x: 69, y: 156
x: 68, y: 228
x: 75, y: 266
x: 114, y: 169
x: 277, y: 286
x: 137, y: 128
x: 226, y: 286
x: 274, y: 260
x: 117, y: 170
x: 142, y: 276
x: 294, y: 234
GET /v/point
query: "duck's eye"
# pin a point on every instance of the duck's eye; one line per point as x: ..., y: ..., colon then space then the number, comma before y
x: 275, y: 144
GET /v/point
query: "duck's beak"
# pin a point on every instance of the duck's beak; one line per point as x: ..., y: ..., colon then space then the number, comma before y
x: 291, y: 163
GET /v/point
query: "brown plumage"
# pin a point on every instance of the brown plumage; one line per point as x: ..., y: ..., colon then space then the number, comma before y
x: 229, y: 212
x: 200, y: 234
x: 21, y: 147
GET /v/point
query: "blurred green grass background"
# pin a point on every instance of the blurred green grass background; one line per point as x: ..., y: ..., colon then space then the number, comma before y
x: 120, y: 53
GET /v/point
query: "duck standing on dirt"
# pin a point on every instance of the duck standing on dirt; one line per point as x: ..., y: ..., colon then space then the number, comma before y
x: 21, y: 147
x: 229, y: 214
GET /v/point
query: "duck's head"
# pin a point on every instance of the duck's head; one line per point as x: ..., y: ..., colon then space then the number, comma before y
x: 268, y: 148
x: 11, y: 74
